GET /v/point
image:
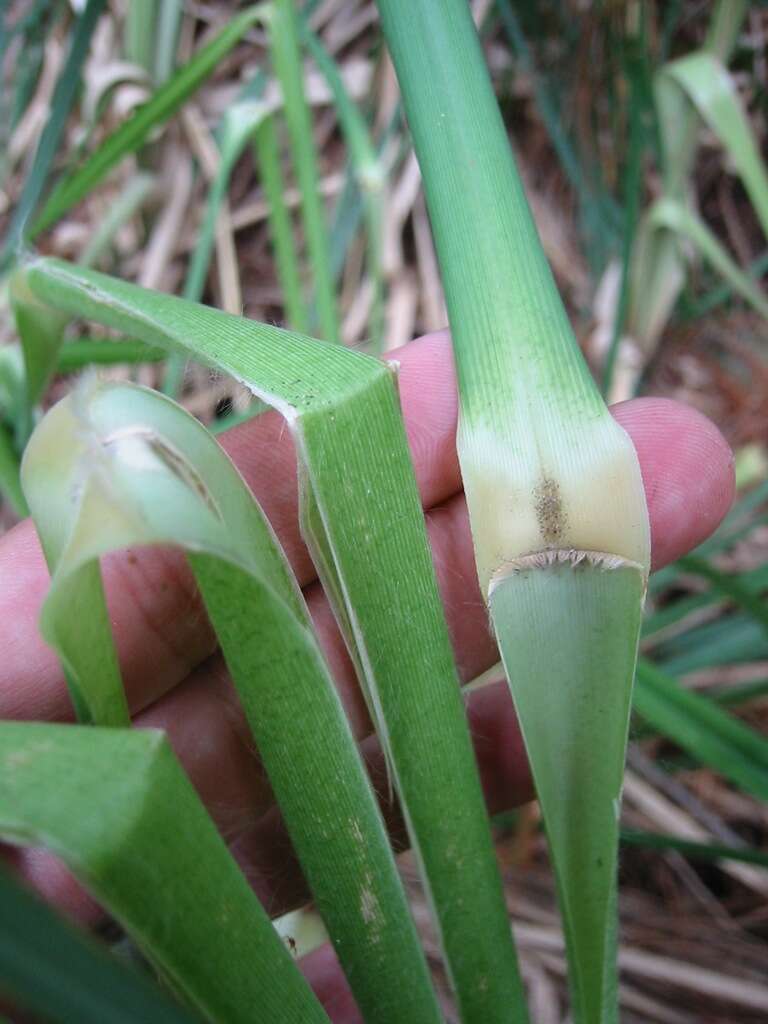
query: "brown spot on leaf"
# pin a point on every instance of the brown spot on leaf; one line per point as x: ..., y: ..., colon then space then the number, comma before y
x: 549, y: 511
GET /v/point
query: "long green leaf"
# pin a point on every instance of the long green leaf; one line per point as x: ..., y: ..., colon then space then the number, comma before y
x: 730, y: 585
x: 286, y: 57
x: 708, y: 85
x: 145, y: 472
x: 673, y: 215
x: 696, y: 851
x: 116, y: 806
x: 372, y: 548
x: 133, y: 133
x: 744, y: 589
x: 50, y: 968
x: 709, y: 734
x: 727, y: 640
x: 368, y: 172
x: 267, y: 155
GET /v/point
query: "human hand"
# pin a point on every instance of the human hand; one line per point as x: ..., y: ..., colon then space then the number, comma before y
x: 175, y: 680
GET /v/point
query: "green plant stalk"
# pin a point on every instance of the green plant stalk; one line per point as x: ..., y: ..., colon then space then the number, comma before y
x: 140, y: 33
x: 117, y: 807
x: 694, y: 850
x: 127, y: 204
x: 168, y: 25
x: 239, y: 123
x: 286, y: 58
x: 145, y: 472
x: 81, y: 352
x: 633, y: 187
x: 133, y: 133
x: 49, y: 967
x: 368, y: 173
x: 342, y: 409
x: 10, y: 483
x: 267, y: 157
x: 553, y: 486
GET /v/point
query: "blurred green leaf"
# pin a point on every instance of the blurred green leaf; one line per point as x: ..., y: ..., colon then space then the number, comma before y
x: 117, y: 807
x: 709, y: 734
x: 52, y: 969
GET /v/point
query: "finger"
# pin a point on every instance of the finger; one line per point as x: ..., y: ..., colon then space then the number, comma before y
x: 687, y: 470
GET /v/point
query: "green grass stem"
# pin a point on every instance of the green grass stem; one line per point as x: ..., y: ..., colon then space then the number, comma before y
x: 267, y: 156
x: 286, y: 58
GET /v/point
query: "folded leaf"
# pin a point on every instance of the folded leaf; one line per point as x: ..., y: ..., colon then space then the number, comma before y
x: 116, y: 806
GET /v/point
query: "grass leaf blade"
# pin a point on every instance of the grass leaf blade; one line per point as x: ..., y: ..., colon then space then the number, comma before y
x: 53, y: 970
x: 117, y: 807
x: 709, y: 734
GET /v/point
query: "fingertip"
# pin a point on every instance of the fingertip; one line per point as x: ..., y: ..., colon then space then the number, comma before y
x: 688, y: 472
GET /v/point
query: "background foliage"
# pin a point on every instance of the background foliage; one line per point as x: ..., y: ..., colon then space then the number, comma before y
x: 183, y: 206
